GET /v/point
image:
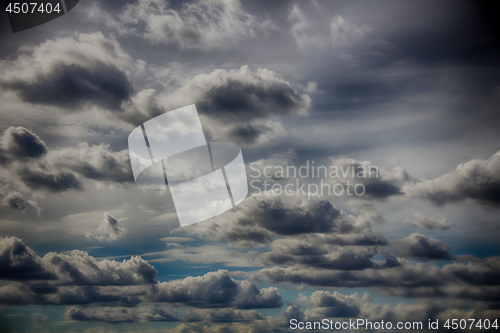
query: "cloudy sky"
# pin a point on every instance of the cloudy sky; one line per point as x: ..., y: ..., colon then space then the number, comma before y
x: 411, y: 87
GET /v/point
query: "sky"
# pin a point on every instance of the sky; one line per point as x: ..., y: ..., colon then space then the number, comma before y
x: 409, y: 89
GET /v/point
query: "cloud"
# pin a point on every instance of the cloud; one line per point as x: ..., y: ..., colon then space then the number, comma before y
x: 20, y: 143
x: 307, y: 253
x: 301, y: 29
x: 221, y: 315
x: 421, y: 247
x: 378, y: 183
x: 29, y: 165
x: 400, y: 273
x: 262, y: 217
x: 428, y: 223
x: 476, y: 180
x: 115, y: 315
x: 19, y: 262
x: 71, y: 72
x: 108, y: 230
x: 237, y: 105
x: 341, y: 32
x: 216, y: 289
x: 16, y: 201
x: 204, y: 24
x: 75, y: 268
x: 344, y: 33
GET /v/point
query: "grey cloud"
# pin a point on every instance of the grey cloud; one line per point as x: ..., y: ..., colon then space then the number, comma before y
x: 117, y: 315
x: 17, y: 201
x: 476, y: 180
x: 108, y: 230
x: 75, y: 268
x: 20, y: 143
x: 205, y: 24
x: 484, y: 272
x: 428, y: 223
x: 54, y: 170
x: 73, y: 86
x: 260, y: 218
x: 291, y: 252
x: 238, y: 105
x: 403, y: 274
x: 421, y: 247
x: 19, y: 262
x: 71, y: 72
x: 43, y: 179
x: 328, y: 305
x: 378, y: 183
x: 216, y: 289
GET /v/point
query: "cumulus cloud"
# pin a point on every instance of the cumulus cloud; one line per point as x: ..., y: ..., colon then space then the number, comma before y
x: 29, y: 165
x: 71, y: 72
x: 239, y: 105
x: 75, y: 268
x: 421, y: 247
x: 476, y: 180
x: 262, y: 217
x: 205, y: 24
x: 428, y: 223
x: 76, y: 278
x: 217, y: 289
x: 108, y: 230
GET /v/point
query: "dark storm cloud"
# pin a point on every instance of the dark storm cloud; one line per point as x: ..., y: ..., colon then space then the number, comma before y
x: 217, y: 289
x: 73, y: 86
x: 76, y: 268
x: 477, y: 272
x: 421, y: 247
x: 305, y: 252
x: 71, y: 72
x: 77, y: 278
x: 402, y: 275
x: 237, y: 105
x: 58, y: 181
x: 260, y: 218
x: 19, y: 262
x: 476, y: 180
x: 20, y: 143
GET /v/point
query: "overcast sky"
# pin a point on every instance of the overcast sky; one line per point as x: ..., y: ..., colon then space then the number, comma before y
x: 411, y: 87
